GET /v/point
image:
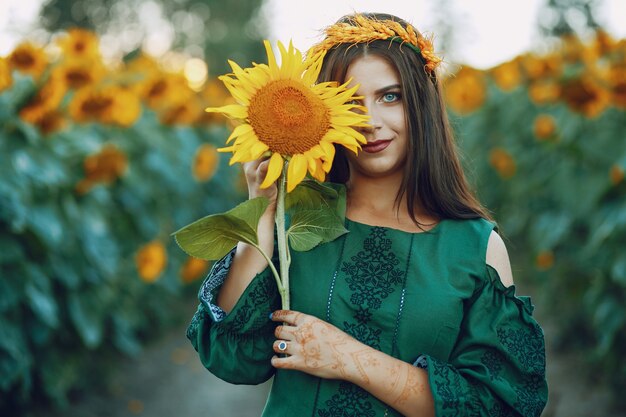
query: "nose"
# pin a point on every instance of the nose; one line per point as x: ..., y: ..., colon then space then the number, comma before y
x: 374, y: 121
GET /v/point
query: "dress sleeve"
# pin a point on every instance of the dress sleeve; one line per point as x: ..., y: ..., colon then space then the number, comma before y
x: 497, y: 366
x: 236, y: 347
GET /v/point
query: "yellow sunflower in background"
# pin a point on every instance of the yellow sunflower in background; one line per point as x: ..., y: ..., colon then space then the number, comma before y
x: 81, y: 44
x: 29, y: 59
x: 283, y: 113
x: 6, y: 80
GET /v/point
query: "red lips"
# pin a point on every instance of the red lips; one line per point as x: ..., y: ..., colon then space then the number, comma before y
x: 376, y: 146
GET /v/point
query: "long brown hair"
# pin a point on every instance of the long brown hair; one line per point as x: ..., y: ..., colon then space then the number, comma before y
x: 433, y: 176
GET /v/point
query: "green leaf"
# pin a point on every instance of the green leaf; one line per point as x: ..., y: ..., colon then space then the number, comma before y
x: 214, y: 236
x: 15, y: 355
x: 40, y: 297
x: 87, y: 318
x: 618, y: 271
x: 309, y: 228
x: 311, y: 195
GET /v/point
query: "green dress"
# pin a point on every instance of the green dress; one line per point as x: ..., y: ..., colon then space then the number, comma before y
x: 426, y: 298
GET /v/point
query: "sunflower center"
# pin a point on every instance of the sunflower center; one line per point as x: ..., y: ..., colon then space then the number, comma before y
x: 288, y: 117
x: 97, y: 105
x: 77, y: 78
x: 23, y: 59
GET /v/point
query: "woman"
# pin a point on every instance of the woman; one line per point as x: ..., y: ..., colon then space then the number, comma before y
x: 410, y: 313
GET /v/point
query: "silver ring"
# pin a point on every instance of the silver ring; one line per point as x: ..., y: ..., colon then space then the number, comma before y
x: 282, y: 346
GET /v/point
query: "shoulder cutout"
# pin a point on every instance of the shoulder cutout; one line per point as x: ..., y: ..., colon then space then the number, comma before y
x: 498, y: 258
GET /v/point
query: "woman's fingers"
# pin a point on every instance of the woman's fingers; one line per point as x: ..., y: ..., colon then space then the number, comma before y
x: 284, y: 363
x: 285, y: 332
x: 282, y: 346
x: 288, y: 316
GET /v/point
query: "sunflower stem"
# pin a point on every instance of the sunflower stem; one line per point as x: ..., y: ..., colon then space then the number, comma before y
x: 283, y: 248
x: 272, y: 267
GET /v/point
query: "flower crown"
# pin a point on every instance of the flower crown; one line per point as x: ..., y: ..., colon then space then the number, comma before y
x: 362, y: 29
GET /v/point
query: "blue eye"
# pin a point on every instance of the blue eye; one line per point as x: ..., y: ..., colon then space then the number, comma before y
x: 390, y: 97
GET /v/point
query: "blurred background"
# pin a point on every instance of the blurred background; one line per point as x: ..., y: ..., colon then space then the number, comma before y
x: 105, y: 151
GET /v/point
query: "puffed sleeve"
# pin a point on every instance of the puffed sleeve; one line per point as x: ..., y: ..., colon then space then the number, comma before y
x: 236, y: 347
x: 497, y: 366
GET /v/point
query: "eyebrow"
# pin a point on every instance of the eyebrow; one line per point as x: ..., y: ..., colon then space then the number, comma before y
x: 388, y: 88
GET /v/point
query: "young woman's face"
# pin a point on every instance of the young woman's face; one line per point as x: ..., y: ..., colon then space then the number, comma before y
x: 387, y: 138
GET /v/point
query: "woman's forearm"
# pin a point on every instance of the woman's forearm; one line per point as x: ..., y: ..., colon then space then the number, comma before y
x: 398, y: 384
x: 248, y: 262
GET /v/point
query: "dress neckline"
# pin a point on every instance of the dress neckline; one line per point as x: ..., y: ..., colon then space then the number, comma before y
x: 427, y: 232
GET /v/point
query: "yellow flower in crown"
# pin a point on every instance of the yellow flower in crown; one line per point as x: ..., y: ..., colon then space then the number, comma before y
x: 284, y: 114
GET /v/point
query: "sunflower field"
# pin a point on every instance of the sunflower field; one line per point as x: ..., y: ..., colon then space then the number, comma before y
x: 98, y: 166
x: 543, y: 138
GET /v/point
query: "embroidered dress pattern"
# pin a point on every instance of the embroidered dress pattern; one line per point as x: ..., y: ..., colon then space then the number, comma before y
x: 351, y: 401
x: 492, y: 360
x: 372, y: 275
x: 527, y: 348
x: 526, y: 400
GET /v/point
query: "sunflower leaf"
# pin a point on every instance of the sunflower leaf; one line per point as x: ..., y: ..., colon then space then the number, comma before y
x: 211, y: 237
x: 313, y: 195
x: 309, y: 228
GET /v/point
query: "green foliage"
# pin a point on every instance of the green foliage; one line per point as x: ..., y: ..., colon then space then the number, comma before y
x: 70, y: 294
x: 316, y: 214
x: 220, y: 30
x: 561, y: 203
x: 214, y: 236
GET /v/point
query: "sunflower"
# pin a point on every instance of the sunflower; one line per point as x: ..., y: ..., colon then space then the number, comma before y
x: 5, y: 75
x: 617, y: 83
x: 585, y: 95
x: 467, y: 91
x: 507, y: 76
x: 80, y: 43
x: 105, y: 167
x: 47, y: 99
x: 187, y: 113
x: 544, y: 127
x: 205, y: 162
x: 544, y: 260
x: 616, y: 174
x: 192, y: 269
x: 111, y: 105
x: 537, y: 68
x: 151, y: 260
x: 283, y: 113
x: 50, y: 122
x: 161, y: 90
x: 76, y: 74
x: 29, y: 59
x: 503, y: 162
x: 544, y: 91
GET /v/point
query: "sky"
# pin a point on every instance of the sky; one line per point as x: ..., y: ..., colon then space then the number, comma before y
x: 486, y: 32
x: 489, y: 31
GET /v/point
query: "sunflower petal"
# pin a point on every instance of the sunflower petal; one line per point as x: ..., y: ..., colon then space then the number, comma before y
x: 271, y: 59
x: 258, y: 149
x: 234, y: 111
x: 318, y: 173
x: 239, y: 131
x: 274, y: 169
x: 296, y: 171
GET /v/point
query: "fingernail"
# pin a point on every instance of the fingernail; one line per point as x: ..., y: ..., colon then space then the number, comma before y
x: 271, y: 314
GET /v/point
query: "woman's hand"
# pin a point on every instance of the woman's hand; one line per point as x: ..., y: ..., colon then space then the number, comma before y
x: 320, y: 349
x: 316, y: 347
x: 255, y: 172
